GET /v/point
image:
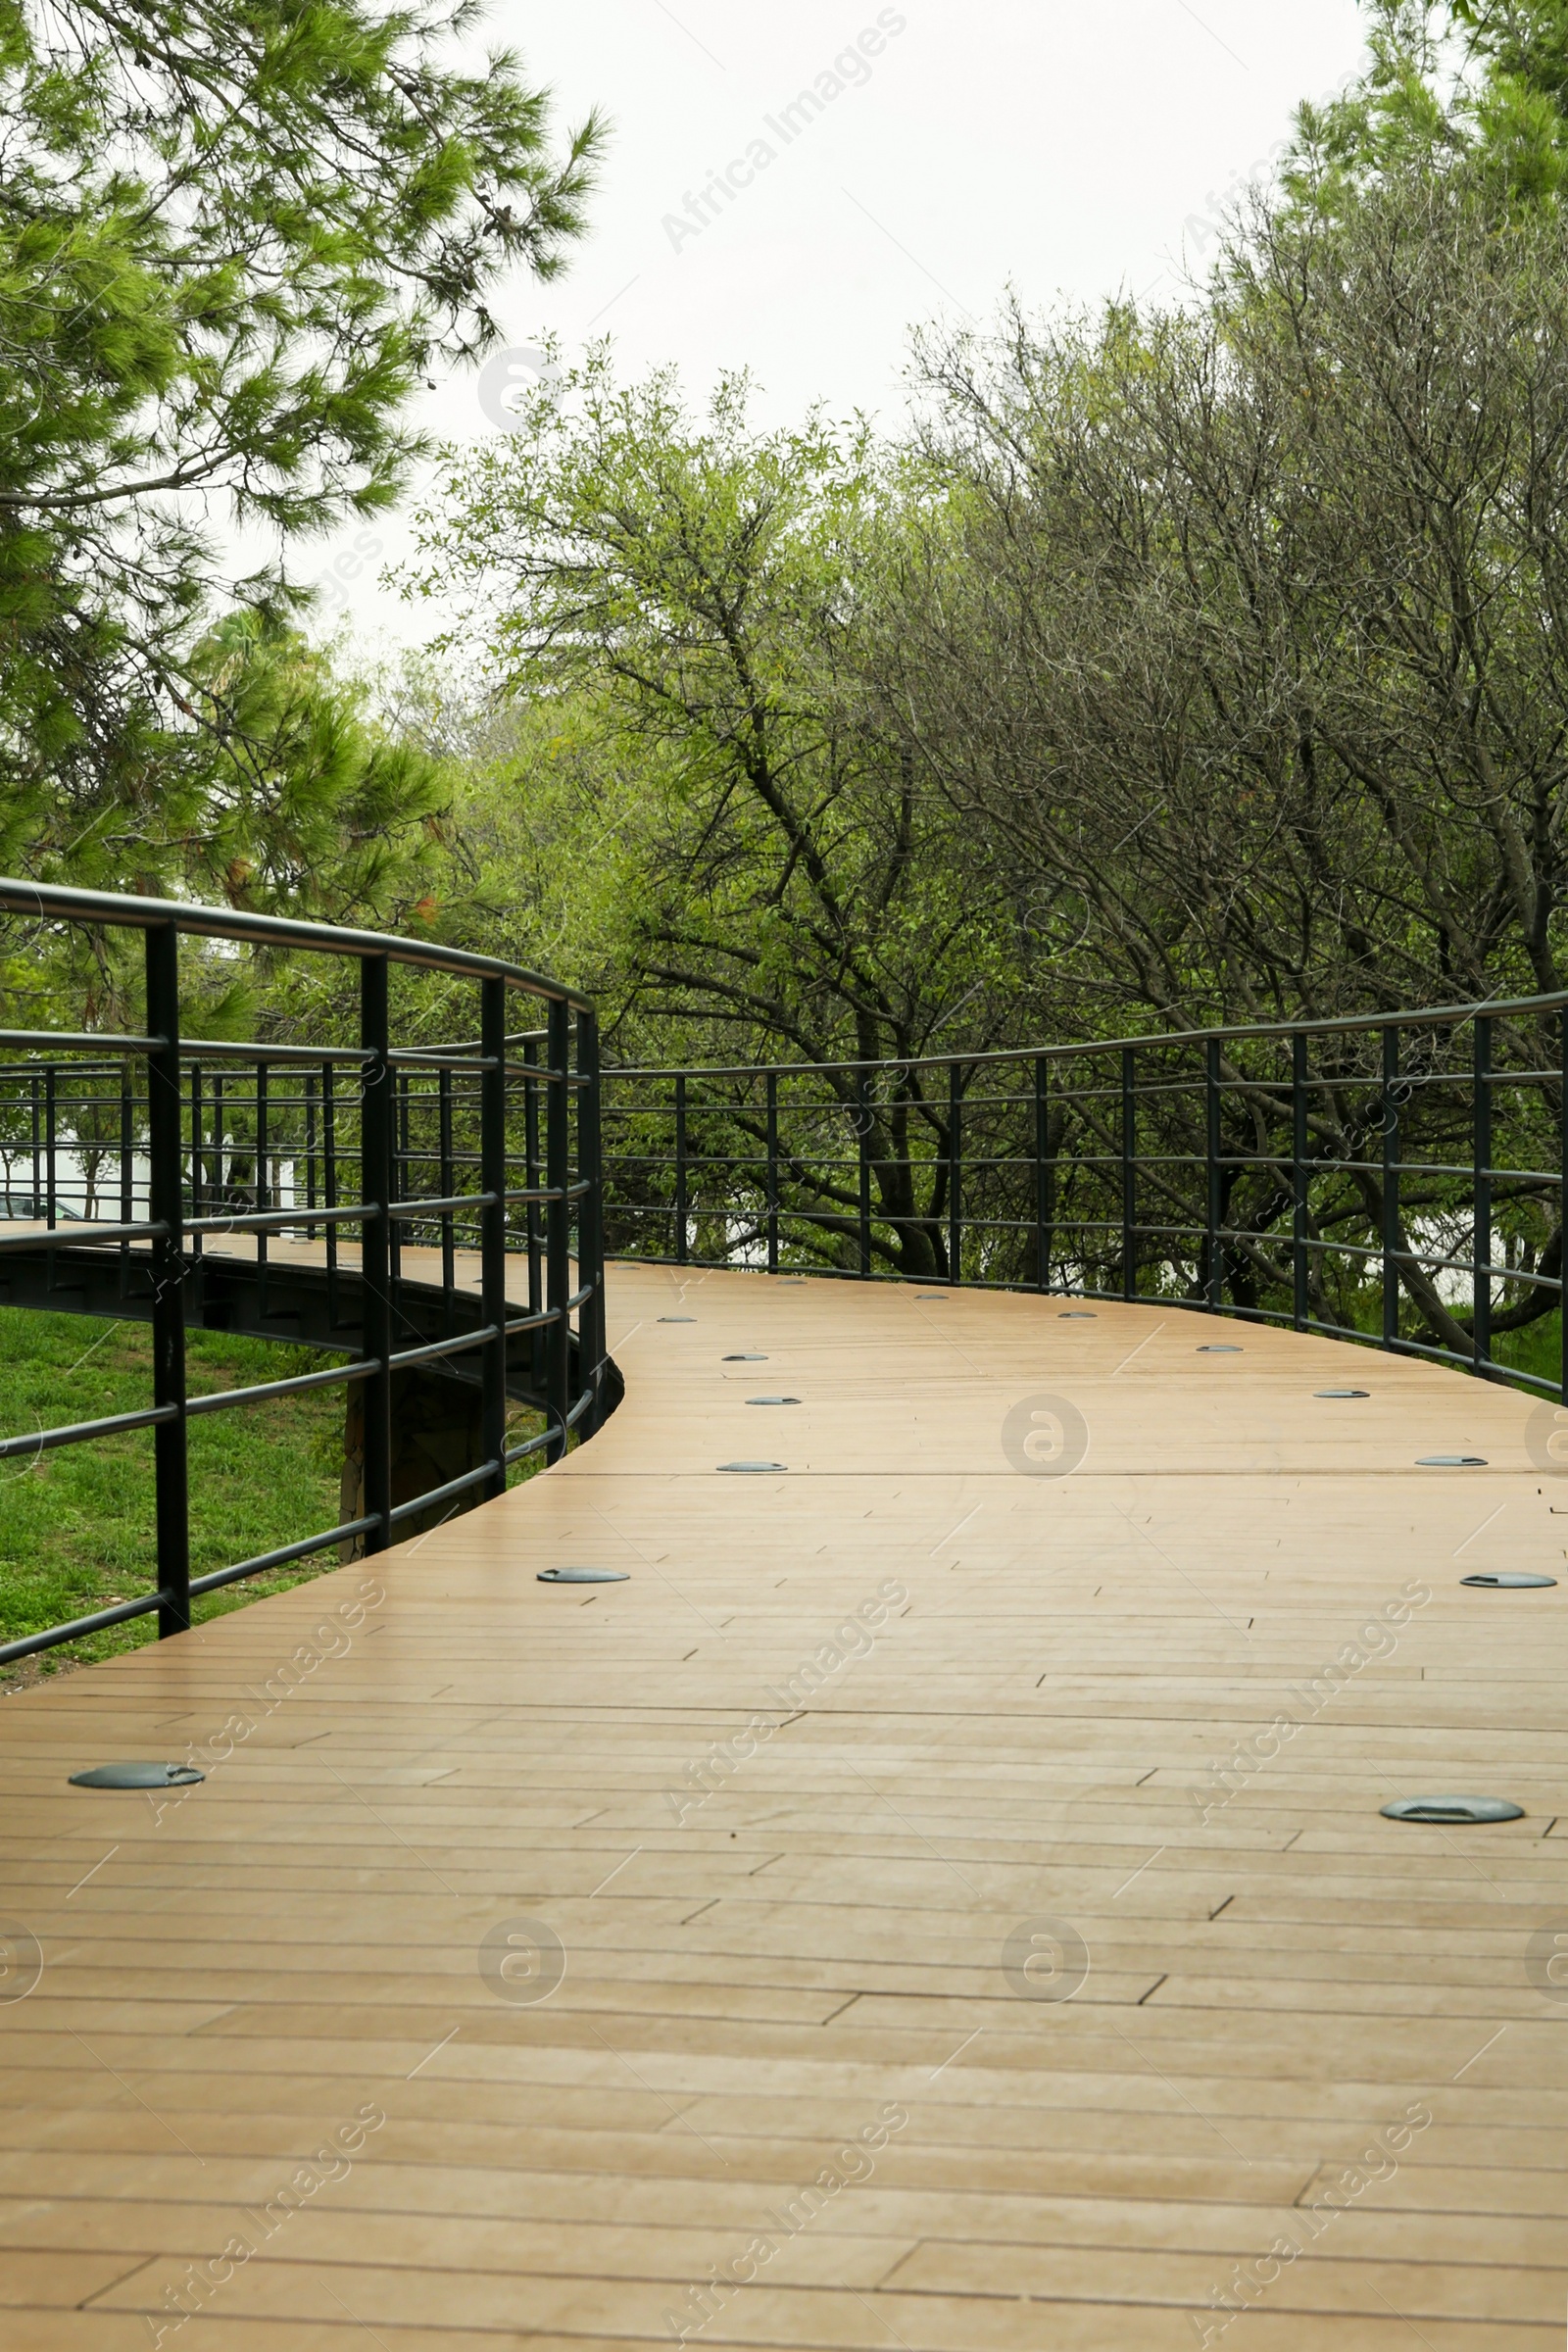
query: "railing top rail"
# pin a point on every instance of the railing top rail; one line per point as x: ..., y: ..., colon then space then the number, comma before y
x: 54, y: 903
x: 1430, y: 1016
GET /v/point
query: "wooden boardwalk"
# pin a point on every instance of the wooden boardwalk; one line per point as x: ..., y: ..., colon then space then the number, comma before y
x: 822, y: 1811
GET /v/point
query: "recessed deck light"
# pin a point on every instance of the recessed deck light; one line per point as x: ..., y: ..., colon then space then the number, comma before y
x: 137, y: 1776
x: 584, y: 1575
x: 1451, y: 1809
x: 1508, y: 1580
x: 748, y: 1468
x: 1450, y: 1461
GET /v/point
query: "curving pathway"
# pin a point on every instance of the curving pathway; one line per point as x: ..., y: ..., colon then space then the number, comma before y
x: 825, y: 1812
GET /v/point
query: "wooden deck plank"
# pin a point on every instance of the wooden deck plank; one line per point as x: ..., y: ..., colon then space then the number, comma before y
x: 783, y: 1850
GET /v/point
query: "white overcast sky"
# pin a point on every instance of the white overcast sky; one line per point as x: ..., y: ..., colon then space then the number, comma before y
x: 1066, y: 149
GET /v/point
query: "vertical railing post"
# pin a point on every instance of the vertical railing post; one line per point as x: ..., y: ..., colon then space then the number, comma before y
x: 590, y: 1220
x: 1562, y: 1210
x: 395, y: 1186
x: 1390, y: 1186
x: 1045, y: 1176
x: 1298, y: 1181
x: 557, y: 1228
x: 37, y: 1165
x: 376, y: 1196
x: 1216, y: 1207
x: 536, y: 1293
x: 680, y: 1170
x: 449, y: 1188
x: 862, y: 1131
x: 772, y: 1174
x: 330, y: 1186
x: 955, y: 1174
x: 197, y: 1189
x: 1480, y: 1252
x: 493, y: 1228
x: 197, y: 1139
x: 262, y: 1189
x: 166, y: 1208
x: 50, y: 1141
x: 310, y: 1152
x: 128, y: 1193
x: 1129, y: 1175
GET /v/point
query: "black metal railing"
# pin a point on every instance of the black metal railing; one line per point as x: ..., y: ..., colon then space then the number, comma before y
x: 1357, y: 1177
x: 167, y: 1151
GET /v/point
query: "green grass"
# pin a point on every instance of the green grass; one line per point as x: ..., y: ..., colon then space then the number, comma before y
x: 76, y: 1524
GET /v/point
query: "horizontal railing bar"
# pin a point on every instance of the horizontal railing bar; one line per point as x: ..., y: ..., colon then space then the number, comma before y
x: 518, y: 1453
x: 75, y: 1040
x: 454, y: 1486
x: 81, y: 1432
x: 214, y: 1048
x: 218, y: 1400
x: 438, y: 1058
x: 28, y: 1645
x: 463, y: 1342
x: 1433, y: 1016
x: 52, y: 901
x: 79, y: 1235
x: 282, y: 1556
x: 440, y: 1208
x: 276, y: 1221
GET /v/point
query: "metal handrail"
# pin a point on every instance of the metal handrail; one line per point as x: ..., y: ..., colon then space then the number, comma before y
x: 1416, y: 1017
x: 186, y: 1113
x: 1241, y: 1169
x: 56, y: 902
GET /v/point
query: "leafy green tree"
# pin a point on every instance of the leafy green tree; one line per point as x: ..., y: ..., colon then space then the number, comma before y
x: 699, y: 810
x: 1449, y: 83
x: 680, y: 604
x: 233, y: 242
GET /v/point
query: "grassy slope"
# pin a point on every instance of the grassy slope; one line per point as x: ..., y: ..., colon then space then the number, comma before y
x: 76, y: 1524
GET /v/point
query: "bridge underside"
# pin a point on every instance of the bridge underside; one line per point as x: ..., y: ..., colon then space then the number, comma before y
x: 294, y: 1296
x: 822, y: 1812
